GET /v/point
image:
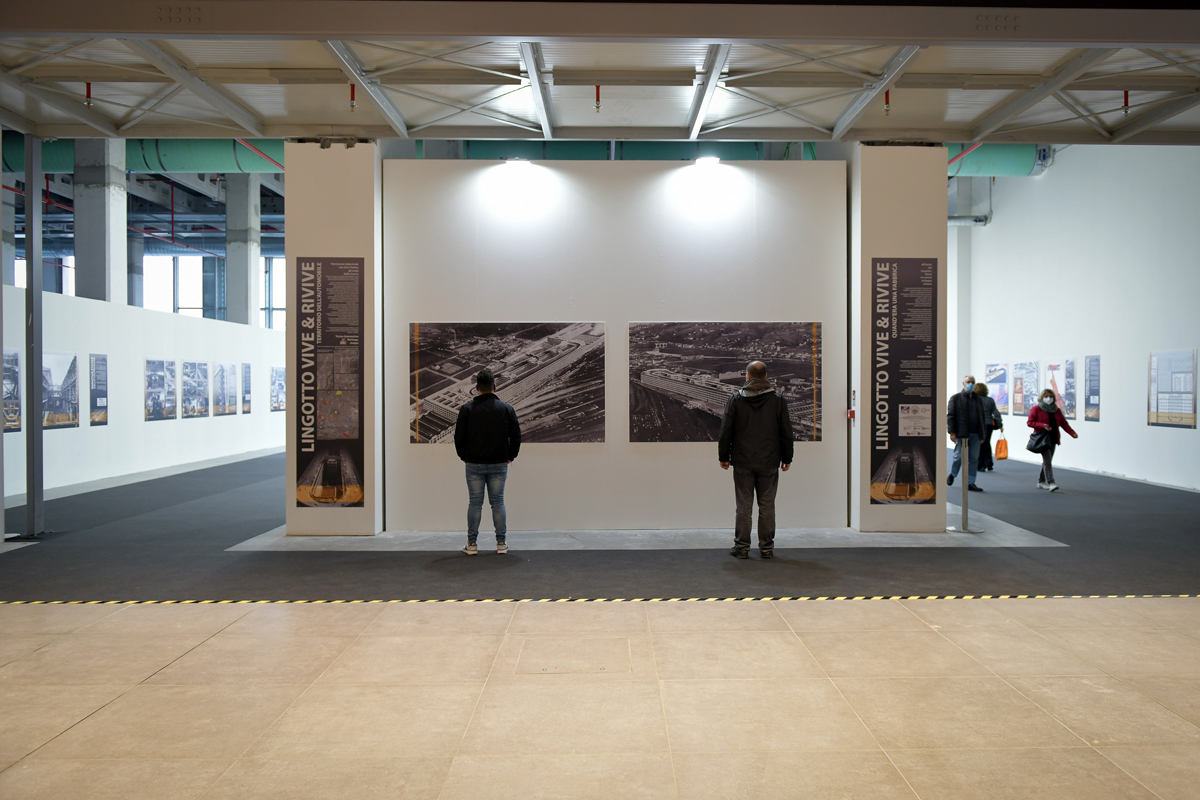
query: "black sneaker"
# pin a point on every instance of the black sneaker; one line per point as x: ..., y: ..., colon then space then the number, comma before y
x: 949, y: 480
x: 973, y: 488
x: 738, y: 553
x: 767, y: 553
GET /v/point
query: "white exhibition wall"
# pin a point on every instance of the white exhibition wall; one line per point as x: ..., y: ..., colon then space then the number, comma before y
x: 128, y: 446
x: 1098, y: 256
x: 613, y: 242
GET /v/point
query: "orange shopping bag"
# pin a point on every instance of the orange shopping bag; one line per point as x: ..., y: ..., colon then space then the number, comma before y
x: 1001, y: 452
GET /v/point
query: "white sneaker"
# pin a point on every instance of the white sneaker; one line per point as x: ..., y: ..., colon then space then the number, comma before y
x: 1052, y: 487
x: 501, y: 548
x: 1042, y: 485
x: 471, y: 550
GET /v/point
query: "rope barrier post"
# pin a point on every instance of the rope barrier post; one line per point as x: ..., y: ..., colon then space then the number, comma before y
x: 965, y: 474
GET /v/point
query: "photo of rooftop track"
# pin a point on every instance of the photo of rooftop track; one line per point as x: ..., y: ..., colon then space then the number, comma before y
x: 681, y: 374
x: 551, y: 373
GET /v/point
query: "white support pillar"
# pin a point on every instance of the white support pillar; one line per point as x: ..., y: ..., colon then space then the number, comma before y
x: 101, y: 267
x: 897, y: 217
x: 334, y: 233
x: 8, y: 236
x: 243, y: 246
x: 958, y: 278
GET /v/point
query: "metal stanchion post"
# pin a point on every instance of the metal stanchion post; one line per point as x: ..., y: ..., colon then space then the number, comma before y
x: 965, y: 474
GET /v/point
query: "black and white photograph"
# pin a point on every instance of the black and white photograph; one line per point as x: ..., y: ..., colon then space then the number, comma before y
x: 551, y: 373
x: 1025, y: 391
x: 160, y: 390
x: 60, y: 390
x: 98, y: 383
x: 681, y: 374
x: 279, y: 388
x: 195, y: 389
x: 245, y: 388
x: 12, y: 391
x: 225, y: 393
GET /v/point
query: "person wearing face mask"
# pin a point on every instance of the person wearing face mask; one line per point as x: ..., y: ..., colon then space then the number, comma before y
x: 1046, y: 416
x: 965, y: 422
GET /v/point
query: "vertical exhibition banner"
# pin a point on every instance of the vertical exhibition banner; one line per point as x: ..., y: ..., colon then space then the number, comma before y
x: 1026, y: 376
x: 98, y: 379
x: 903, y: 362
x: 12, y: 391
x: 1172, y: 401
x: 1091, y: 388
x: 996, y: 378
x: 330, y: 388
x: 245, y: 388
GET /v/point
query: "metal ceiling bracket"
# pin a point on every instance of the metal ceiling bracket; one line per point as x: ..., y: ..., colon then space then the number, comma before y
x: 158, y: 56
x: 353, y: 68
x: 1027, y: 100
x: 63, y: 103
x: 891, y: 73
x: 531, y: 54
x: 714, y: 65
x: 1171, y: 108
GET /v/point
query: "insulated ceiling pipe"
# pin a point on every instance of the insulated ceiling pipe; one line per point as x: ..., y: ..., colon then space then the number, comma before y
x: 997, y: 160
x: 157, y: 155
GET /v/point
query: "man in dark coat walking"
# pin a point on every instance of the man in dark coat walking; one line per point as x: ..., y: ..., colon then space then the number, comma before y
x: 965, y: 422
x: 756, y: 437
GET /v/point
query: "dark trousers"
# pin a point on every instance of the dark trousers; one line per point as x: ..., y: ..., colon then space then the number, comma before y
x: 747, y: 483
x: 985, y: 450
x: 1047, y: 473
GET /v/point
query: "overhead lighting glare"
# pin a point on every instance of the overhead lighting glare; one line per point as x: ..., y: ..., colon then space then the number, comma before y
x: 707, y: 161
x: 516, y: 161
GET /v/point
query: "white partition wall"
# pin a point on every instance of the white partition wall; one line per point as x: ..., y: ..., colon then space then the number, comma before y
x: 897, y: 212
x: 613, y: 242
x: 333, y: 213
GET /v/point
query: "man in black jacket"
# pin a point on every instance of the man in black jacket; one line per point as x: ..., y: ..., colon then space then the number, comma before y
x: 965, y: 422
x: 756, y: 436
x: 488, y: 438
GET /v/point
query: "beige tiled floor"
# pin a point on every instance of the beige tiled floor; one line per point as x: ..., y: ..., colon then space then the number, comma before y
x: 1056, y: 698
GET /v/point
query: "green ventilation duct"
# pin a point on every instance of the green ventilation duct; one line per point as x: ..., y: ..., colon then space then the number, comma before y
x: 994, y: 161
x: 155, y: 155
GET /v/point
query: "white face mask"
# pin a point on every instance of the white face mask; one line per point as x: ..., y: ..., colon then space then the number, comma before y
x: 1047, y: 401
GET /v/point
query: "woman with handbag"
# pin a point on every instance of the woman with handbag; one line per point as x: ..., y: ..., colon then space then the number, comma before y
x: 992, y: 422
x: 1047, y: 419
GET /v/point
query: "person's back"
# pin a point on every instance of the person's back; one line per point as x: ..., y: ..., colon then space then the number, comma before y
x: 756, y: 437
x: 487, y: 438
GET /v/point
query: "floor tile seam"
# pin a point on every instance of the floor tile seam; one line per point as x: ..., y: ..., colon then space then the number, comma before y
x: 662, y: 703
x: 849, y: 705
x: 1124, y: 682
x: 499, y: 600
x: 31, y: 652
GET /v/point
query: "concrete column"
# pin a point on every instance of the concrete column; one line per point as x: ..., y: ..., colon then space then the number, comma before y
x: 135, y: 249
x: 897, y: 213
x: 101, y: 265
x: 8, y: 236
x: 958, y: 312
x: 243, y: 246
x: 214, y: 288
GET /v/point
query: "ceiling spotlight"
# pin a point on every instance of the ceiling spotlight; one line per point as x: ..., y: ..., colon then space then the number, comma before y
x: 516, y: 161
x: 707, y: 161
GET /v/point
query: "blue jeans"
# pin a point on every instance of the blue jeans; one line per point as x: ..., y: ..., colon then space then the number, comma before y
x: 491, y: 477
x: 972, y: 457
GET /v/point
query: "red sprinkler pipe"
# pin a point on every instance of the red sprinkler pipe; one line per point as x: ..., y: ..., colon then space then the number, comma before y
x: 258, y: 152
x: 964, y: 152
x: 88, y: 102
x: 352, y: 103
x: 887, y: 102
x: 1127, y: 101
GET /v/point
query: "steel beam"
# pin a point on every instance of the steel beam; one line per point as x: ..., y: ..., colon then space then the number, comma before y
x: 176, y: 69
x: 531, y: 54
x: 354, y: 70
x: 35, y: 519
x: 714, y: 64
x: 1174, y: 61
x: 1142, y: 122
x: 1082, y: 114
x: 150, y: 109
x: 63, y: 103
x: 891, y: 73
x: 13, y: 120
x: 1023, y: 102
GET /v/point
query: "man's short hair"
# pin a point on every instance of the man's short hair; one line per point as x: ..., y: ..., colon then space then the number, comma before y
x: 485, y: 380
x: 756, y: 369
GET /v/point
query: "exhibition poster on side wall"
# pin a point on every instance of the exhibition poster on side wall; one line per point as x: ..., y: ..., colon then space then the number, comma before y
x: 60, y: 392
x: 681, y: 375
x: 995, y: 376
x: 160, y: 390
x: 278, y: 389
x: 225, y: 393
x: 551, y: 373
x: 98, y: 380
x: 903, y: 363
x: 1060, y: 378
x: 245, y: 388
x: 329, y: 354
x: 195, y: 389
x: 1026, y: 376
x: 1091, y: 388
x: 1173, y: 389
x: 12, y: 391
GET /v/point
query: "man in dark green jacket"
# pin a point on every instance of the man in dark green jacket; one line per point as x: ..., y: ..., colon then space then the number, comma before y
x: 756, y: 437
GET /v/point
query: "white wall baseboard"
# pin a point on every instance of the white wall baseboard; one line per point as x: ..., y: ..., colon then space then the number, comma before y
x: 13, y: 500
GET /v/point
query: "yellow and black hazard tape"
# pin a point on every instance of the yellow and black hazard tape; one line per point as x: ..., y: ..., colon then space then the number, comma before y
x: 600, y: 599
